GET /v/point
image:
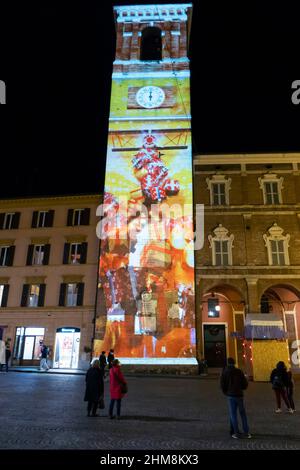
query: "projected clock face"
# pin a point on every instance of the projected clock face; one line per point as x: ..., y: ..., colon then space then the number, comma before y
x: 150, y: 97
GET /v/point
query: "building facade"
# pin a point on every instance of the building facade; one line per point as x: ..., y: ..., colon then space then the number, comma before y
x: 48, y: 274
x: 250, y: 262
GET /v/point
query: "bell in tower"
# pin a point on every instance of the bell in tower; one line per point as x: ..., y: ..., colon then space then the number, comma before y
x: 146, y: 264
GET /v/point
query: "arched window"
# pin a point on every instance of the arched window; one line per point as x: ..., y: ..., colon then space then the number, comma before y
x: 151, y: 44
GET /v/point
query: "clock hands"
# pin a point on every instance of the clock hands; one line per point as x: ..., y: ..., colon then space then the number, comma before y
x: 150, y: 94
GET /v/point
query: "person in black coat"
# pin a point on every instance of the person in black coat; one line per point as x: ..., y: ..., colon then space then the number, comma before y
x: 102, y: 360
x: 233, y: 384
x: 110, y: 358
x: 280, y: 381
x: 94, y: 387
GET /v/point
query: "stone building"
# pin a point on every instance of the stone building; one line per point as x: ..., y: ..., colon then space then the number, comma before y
x: 48, y: 269
x: 250, y: 262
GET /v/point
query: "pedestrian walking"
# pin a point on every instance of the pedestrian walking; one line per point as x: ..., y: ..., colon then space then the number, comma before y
x: 94, y: 389
x: 110, y: 358
x: 43, y: 357
x: 279, y: 380
x: 290, y: 390
x: 233, y: 384
x: 118, y: 388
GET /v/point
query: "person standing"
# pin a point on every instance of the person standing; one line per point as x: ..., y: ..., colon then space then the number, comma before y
x: 44, y: 355
x: 2, y: 354
x: 7, y: 353
x: 118, y: 388
x: 94, y: 389
x: 110, y: 358
x: 279, y: 380
x: 233, y: 384
x: 102, y: 361
x: 290, y: 389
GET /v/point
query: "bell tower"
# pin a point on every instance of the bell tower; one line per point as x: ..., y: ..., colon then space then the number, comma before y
x: 146, y: 268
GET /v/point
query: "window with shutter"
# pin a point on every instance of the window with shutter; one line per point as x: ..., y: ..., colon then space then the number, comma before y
x: 33, y: 297
x: 8, y: 221
x: 4, y: 255
x: 41, y: 219
x: 71, y: 295
x: 75, y: 253
x: 1, y: 293
x: 38, y: 254
x: 4, y: 296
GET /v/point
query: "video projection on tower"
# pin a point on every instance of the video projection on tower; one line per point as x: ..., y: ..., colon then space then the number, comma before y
x: 146, y: 306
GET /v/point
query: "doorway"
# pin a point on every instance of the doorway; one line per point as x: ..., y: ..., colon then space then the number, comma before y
x: 215, y: 344
x: 67, y: 344
x: 27, y: 345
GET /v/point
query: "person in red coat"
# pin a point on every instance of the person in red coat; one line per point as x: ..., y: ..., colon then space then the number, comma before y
x: 118, y: 388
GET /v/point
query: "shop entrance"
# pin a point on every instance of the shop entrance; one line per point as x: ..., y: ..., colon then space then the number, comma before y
x: 27, y: 345
x: 215, y: 344
x: 67, y: 344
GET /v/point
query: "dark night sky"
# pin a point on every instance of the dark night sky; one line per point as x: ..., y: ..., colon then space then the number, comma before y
x: 57, y: 64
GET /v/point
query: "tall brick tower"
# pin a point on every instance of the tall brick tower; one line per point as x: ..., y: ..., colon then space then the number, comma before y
x: 146, y: 300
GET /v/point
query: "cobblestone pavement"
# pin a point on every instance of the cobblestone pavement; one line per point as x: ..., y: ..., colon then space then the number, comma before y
x: 43, y: 411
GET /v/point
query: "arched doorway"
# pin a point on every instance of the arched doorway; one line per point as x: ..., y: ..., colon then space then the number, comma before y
x: 151, y: 44
x: 284, y: 301
x: 222, y: 325
x: 67, y: 343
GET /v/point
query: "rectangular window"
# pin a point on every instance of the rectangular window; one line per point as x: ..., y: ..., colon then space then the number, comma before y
x: 75, y: 253
x: 219, y: 195
x: 71, y: 295
x: 272, y: 193
x: 277, y: 248
x: 38, y: 254
x: 221, y: 252
x: 8, y: 221
x: 77, y: 216
x: 41, y: 219
x: 213, y: 308
x: 1, y: 293
x: 33, y: 298
x: 4, y: 255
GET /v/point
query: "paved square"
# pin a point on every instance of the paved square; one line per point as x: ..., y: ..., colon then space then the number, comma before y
x: 47, y: 411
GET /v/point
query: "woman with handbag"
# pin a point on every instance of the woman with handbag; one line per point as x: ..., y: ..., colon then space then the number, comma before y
x: 118, y: 388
